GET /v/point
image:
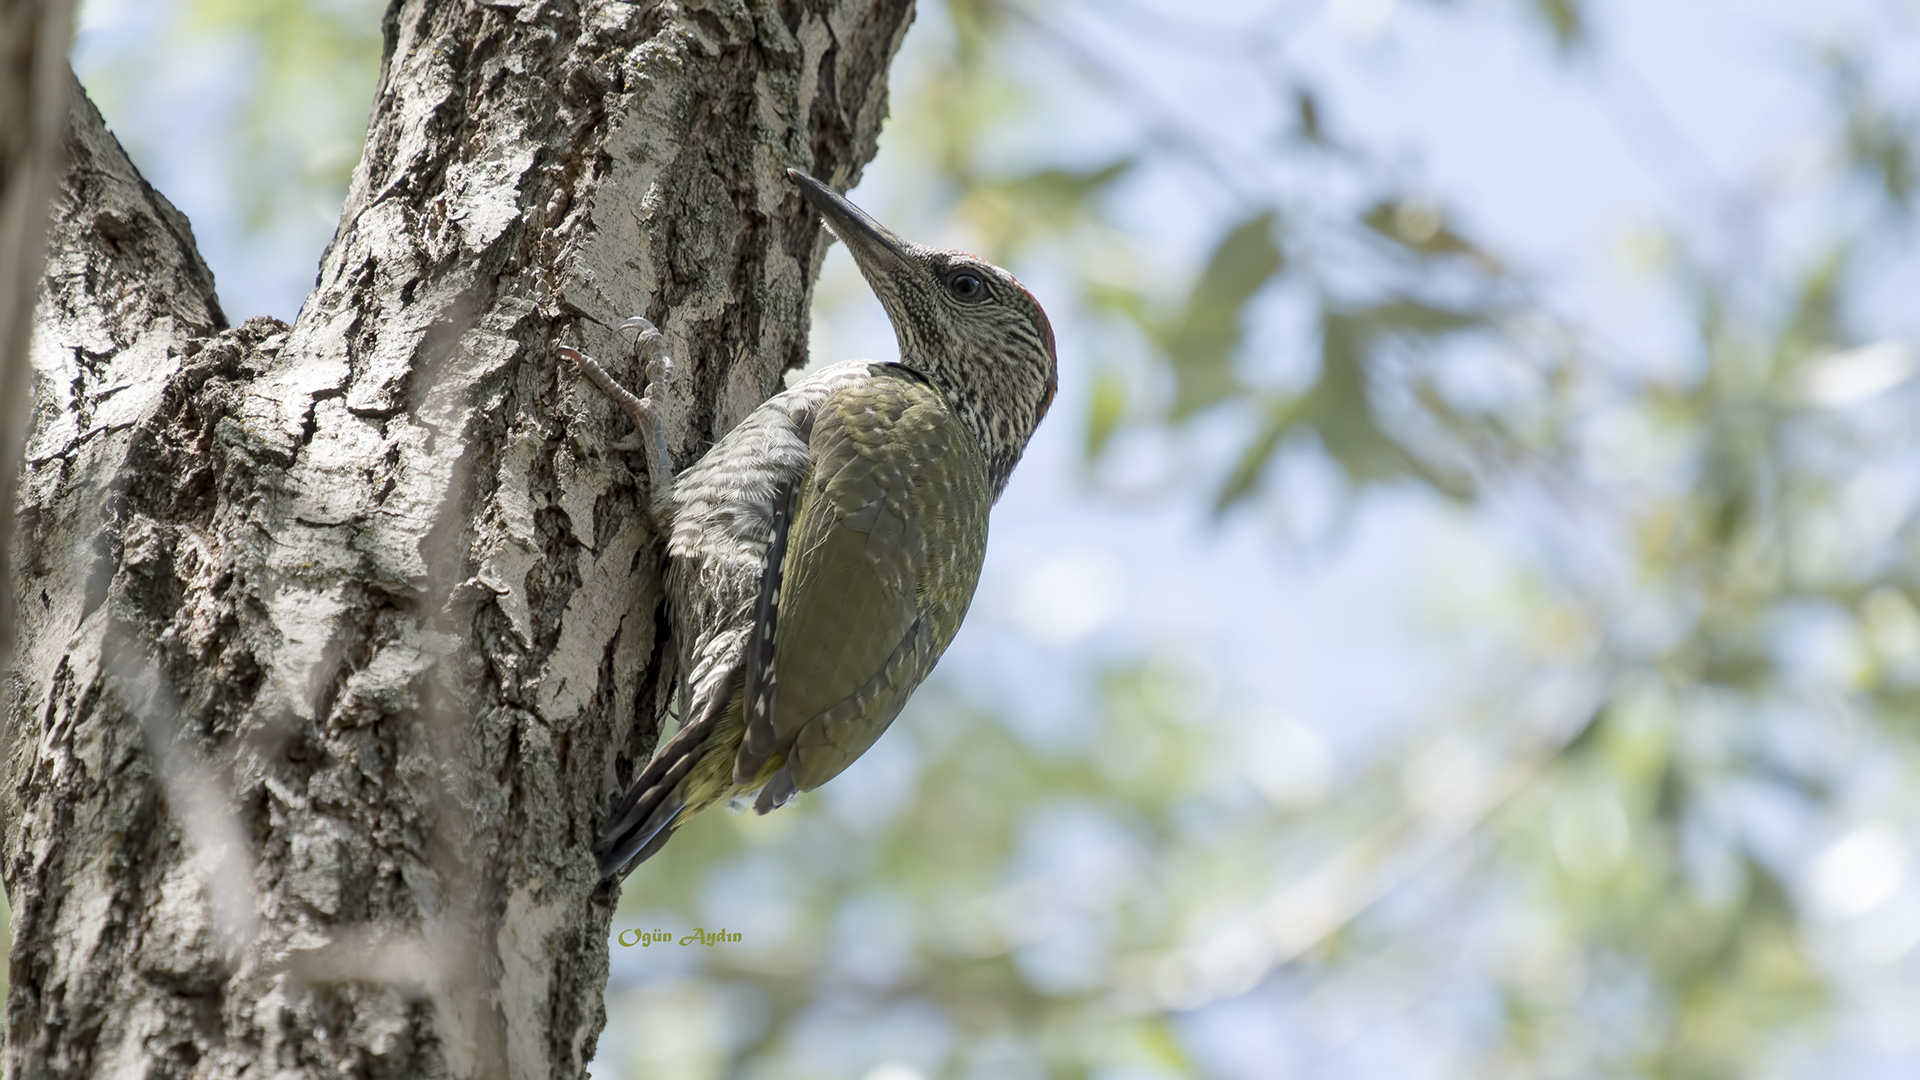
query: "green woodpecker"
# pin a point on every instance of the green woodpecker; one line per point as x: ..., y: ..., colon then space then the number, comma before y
x: 823, y: 553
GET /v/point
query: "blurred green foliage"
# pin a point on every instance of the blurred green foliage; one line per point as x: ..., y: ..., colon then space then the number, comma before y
x: 1565, y: 19
x: 270, y: 95
x: 1203, y: 340
x: 1565, y: 869
x: 310, y: 67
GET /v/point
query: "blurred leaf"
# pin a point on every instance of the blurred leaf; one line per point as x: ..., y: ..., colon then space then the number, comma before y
x: 978, y: 25
x: 1877, y: 142
x: 307, y: 105
x: 1015, y: 212
x: 1565, y: 20
x: 1591, y: 734
x: 1203, y: 340
x: 1160, y: 1048
x: 1813, y: 325
x: 961, y: 98
x: 1104, y: 411
x: 1340, y: 406
x: 1421, y: 227
x: 1306, y: 112
x: 1415, y: 317
x: 1116, y: 299
x: 1244, y: 480
x: 1058, y: 191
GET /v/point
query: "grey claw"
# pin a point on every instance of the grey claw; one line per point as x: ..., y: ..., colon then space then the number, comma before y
x: 650, y: 340
x: 644, y: 410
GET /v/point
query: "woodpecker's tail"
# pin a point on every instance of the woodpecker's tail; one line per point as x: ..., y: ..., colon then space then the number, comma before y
x: 648, y: 812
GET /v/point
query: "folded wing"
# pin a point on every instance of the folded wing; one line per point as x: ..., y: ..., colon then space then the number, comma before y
x: 884, y: 550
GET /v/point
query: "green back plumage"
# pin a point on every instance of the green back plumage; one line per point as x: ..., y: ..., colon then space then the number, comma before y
x: 888, y: 535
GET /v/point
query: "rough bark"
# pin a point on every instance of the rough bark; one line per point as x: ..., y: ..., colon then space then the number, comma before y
x: 337, y: 638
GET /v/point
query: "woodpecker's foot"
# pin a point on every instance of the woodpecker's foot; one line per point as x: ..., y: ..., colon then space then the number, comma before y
x: 659, y: 368
x: 646, y: 410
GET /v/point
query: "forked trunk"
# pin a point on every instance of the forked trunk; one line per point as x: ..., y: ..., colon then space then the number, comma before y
x: 334, y: 639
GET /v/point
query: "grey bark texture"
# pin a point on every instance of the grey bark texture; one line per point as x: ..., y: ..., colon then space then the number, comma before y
x: 336, y: 639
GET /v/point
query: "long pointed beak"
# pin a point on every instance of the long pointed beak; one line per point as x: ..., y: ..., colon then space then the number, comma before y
x: 873, y: 245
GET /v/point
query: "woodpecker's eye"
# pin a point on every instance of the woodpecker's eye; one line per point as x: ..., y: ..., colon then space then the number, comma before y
x: 967, y: 286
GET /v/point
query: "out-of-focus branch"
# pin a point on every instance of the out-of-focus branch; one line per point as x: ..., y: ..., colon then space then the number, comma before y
x: 33, y: 98
x: 1158, y: 119
x: 1346, y: 886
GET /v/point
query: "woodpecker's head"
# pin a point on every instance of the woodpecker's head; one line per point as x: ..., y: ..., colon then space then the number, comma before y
x: 964, y: 323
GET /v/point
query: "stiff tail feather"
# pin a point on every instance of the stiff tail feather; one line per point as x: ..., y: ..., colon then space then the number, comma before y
x: 649, y: 810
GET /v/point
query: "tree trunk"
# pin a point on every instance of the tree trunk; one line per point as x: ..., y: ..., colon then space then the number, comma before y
x: 336, y: 639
